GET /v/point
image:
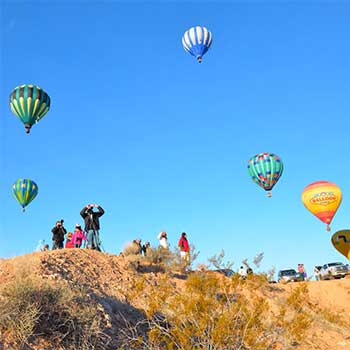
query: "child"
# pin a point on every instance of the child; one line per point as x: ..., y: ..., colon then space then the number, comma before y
x: 69, y: 241
x: 78, y: 236
x: 45, y: 248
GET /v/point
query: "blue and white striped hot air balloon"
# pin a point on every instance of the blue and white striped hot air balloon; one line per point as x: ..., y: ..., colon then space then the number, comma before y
x: 197, y: 41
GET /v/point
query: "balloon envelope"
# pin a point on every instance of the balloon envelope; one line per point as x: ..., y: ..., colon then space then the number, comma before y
x: 322, y: 198
x: 341, y: 242
x: 29, y: 103
x: 265, y: 169
x: 24, y: 190
x: 197, y: 41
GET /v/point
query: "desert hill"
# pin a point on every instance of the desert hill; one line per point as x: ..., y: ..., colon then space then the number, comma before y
x: 101, y: 292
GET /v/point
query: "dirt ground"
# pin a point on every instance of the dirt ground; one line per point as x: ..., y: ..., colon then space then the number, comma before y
x: 109, y: 277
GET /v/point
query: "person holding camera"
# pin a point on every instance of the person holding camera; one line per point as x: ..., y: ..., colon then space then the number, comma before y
x: 58, y: 233
x: 92, y: 225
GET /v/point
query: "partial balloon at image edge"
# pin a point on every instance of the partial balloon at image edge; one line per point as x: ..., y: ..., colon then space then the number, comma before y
x: 341, y: 242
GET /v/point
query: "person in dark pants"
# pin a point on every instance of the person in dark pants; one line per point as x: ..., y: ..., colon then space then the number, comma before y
x: 58, y: 233
x: 146, y: 248
x: 92, y: 225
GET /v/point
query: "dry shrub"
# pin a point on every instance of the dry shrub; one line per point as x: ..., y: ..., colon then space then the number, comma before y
x: 65, y: 317
x: 129, y: 250
x: 202, y: 267
x: 155, y: 257
x: 257, y: 281
x: 165, y: 260
x: 333, y: 317
x: 212, y: 312
x: 219, y: 313
x: 216, y: 312
x: 295, y: 315
x: 137, y: 288
x: 218, y: 261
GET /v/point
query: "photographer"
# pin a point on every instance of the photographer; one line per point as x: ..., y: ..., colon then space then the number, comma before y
x: 92, y: 225
x: 58, y: 233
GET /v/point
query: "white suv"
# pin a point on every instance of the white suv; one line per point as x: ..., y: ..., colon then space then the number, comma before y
x: 333, y: 270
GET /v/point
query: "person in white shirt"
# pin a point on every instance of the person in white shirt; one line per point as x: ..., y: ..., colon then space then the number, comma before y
x: 242, y: 272
x: 163, y: 240
x: 317, y: 273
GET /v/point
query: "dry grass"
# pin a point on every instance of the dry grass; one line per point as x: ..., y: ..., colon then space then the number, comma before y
x: 63, y: 316
x: 332, y: 317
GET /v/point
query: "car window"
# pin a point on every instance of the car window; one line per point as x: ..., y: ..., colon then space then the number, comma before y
x: 288, y: 272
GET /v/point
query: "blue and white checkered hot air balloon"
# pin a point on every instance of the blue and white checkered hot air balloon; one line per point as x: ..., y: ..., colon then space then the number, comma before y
x: 197, y: 41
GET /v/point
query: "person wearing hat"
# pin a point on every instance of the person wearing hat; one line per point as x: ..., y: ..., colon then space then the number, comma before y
x: 69, y: 242
x: 163, y: 240
x: 78, y: 236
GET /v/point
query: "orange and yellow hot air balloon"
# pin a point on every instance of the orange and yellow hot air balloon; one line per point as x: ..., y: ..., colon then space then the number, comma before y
x: 322, y: 198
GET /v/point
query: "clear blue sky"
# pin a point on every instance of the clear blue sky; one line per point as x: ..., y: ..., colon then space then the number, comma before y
x: 162, y: 142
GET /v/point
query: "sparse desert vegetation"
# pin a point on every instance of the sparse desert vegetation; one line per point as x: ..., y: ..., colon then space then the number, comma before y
x: 78, y: 299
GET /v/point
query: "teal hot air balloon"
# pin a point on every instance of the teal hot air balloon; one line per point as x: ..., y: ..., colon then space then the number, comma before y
x: 265, y: 169
x: 29, y: 103
x: 24, y: 190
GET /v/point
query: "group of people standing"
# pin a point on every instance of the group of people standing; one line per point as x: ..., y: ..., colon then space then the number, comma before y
x: 90, y: 235
x: 138, y: 248
x: 182, y: 244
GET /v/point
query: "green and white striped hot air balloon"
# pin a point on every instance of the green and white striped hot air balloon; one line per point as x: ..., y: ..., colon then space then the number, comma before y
x: 29, y: 103
x: 24, y: 190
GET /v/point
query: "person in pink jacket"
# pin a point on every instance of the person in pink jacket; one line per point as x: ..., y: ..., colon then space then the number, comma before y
x: 78, y: 236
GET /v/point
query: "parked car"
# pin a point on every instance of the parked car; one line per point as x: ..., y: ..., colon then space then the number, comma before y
x: 290, y: 276
x: 333, y: 270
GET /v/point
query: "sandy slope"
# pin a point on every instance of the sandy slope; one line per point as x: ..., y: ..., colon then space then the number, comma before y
x: 108, y: 277
x: 333, y: 295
